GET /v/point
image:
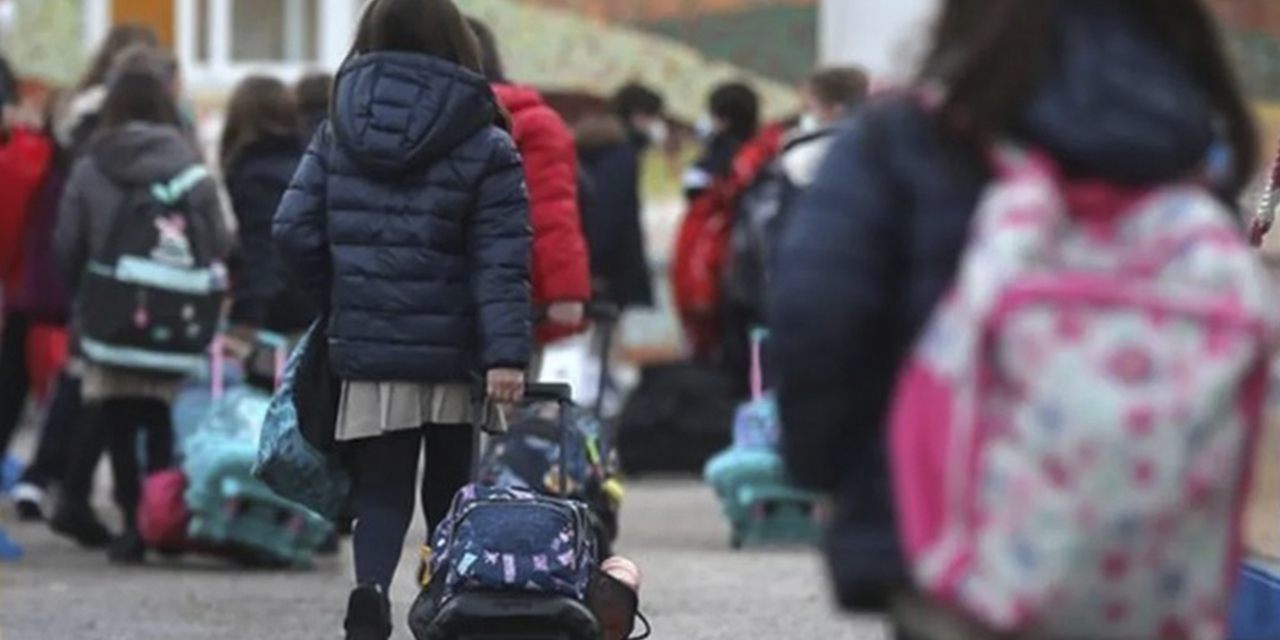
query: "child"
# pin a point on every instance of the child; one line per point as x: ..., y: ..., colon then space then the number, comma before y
x: 876, y: 240
x: 139, y: 142
x: 43, y: 302
x: 313, y: 92
x: 409, y: 223
x: 561, y: 274
x: 261, y: 146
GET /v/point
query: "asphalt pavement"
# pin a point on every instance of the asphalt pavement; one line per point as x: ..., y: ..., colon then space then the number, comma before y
x: 695, y: 587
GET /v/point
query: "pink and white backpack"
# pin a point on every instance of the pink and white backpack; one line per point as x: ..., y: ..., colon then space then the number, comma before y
x: 1070, y: 436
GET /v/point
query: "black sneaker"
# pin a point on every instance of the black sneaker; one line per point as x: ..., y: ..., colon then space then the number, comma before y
x: 128, y: 549
x: 368, y: 615
x: 81, y: 526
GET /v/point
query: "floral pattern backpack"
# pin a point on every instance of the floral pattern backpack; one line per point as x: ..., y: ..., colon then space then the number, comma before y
x: 1070, y: 437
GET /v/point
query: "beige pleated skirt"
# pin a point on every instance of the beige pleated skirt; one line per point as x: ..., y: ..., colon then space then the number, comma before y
x: 370, y: 409
x: 99, y: 383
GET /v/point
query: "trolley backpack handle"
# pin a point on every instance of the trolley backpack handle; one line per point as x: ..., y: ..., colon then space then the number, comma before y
x: 758, y: 336
x: 596, y: 310
x: 218, y: 358
x: 549, y: 392
x: 601, y: 311
x: 558, y: 393
x: 562, y: 395
x: 606, y: 316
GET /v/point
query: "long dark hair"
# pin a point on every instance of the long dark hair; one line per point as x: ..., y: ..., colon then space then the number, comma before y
x: 431, y: 27
x: 991, y: 55
x: 261, y: 108
x: 314, y: 92
x: 138, y: 96
x: 121, y: 37
x: 490, y: 55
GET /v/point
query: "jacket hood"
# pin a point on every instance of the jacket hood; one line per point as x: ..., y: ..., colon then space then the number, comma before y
x: 394, y: 110
x: 1117, y: 104
x: 142, y: 153
x: 594, y: 133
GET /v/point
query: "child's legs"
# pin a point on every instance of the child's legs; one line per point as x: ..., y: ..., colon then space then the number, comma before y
x: 121, y: 420
x: 385, y: 470
x: 87, y: 440
x: 59, y: 434
x: 14, y: 383
x: 449, y: 456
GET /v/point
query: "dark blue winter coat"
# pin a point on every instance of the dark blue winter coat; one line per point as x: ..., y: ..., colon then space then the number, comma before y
x: 611, y: 160
x: 877, y: 238
x: 266, y: 295
x: 408, y: 219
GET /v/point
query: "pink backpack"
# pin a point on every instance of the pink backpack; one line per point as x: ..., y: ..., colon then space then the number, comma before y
x: 163, y: 517
x: 1069, y: 436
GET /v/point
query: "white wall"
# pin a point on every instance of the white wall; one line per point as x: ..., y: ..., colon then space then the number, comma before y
x: 883, y: 36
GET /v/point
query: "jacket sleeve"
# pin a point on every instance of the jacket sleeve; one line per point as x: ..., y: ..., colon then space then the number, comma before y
x: 500, y: 247
x: 828, y: 307
x: 561, y: 269
x: 300, y: 227
x: 71, y: 235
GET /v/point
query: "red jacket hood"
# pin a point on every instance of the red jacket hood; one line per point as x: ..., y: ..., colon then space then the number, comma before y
x: 516, y: 98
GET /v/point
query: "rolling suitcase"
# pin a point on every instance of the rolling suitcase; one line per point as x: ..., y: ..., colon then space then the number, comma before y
x: 224, y: 511
x: 465, y: 600
x: 750, y: 479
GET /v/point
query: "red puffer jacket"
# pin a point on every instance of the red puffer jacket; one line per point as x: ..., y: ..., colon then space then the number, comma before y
x: 24, y: 158
x: 561, y: 271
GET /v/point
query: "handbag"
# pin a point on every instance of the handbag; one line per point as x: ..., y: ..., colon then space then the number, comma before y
x: 298, y: 456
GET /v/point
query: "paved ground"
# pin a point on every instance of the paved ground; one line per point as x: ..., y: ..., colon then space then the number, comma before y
x: 695, y: 588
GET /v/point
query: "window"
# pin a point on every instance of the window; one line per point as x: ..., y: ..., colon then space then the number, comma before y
x: 220, y: 41
x: 274, y: 31
x: 201, y: 44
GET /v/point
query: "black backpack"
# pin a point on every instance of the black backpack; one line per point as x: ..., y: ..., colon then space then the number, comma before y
x: 152, y: 299
x: 679, y: 416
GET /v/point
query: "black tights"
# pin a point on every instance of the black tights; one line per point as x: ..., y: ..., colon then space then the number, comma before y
x: 58, y: 436
x: 115, y: 424
x: 386, y: 469
x: 14, y: 382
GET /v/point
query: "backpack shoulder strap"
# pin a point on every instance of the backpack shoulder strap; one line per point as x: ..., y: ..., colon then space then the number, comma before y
x: 179, y: 186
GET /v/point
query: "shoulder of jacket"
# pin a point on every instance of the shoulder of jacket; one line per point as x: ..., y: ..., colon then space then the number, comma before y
x: 500, y: 143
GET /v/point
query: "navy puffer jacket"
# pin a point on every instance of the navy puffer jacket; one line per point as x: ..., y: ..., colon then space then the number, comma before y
x: 264, y: 296
x: 408, y: 220
x: 877, y: 238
